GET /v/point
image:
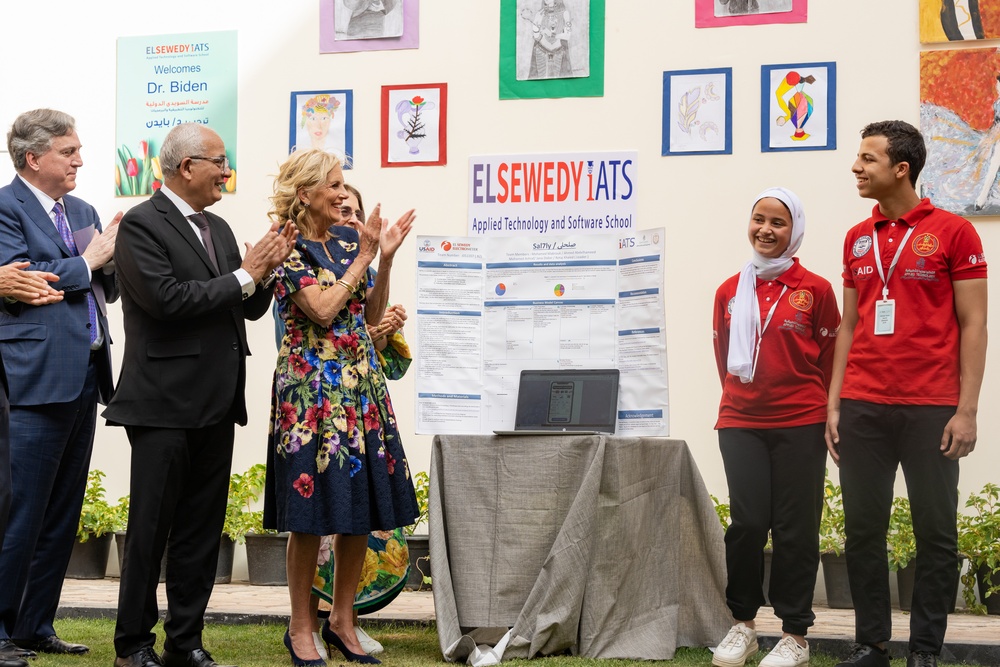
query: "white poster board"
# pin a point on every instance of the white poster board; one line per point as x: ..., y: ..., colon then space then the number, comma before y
x: 487, y: 309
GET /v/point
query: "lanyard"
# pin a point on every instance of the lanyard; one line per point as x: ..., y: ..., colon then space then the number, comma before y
x: 892, y: 265
x: 762, y: 328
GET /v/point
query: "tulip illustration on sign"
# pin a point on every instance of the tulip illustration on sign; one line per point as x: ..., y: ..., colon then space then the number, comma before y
x: 134, y: 175
x: 408, y: 112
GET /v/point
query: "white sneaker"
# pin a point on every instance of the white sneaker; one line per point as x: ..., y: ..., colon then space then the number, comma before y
x: 370, y: 646
x: 739, y: 644
x: 786, y: 653
x: 320, y: 646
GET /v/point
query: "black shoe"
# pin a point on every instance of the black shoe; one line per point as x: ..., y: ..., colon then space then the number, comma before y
x: 52, y: 644
x: 921, y: 659
x: 332, y: 639
x: 199, y: 657
x: 13, y: 662
x: 9, y: 650
x: 296, y: 660
x: 144, y: 657
x: 865, y: 655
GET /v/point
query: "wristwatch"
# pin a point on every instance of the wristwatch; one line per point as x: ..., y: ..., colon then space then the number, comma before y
x: 268, y: 279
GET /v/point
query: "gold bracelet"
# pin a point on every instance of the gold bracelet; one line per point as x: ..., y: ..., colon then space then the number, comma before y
x: 346, y: 285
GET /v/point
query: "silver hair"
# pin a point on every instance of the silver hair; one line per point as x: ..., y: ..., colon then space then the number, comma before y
x: 183, y: 141
x: 32, y: 132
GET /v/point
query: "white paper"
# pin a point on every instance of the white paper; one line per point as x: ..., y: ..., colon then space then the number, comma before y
x: 584, y: 301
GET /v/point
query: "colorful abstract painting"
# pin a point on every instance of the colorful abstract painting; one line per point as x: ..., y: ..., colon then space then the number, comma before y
x: 798, y: 107
x: 960, y: 121
x: 959, y: 20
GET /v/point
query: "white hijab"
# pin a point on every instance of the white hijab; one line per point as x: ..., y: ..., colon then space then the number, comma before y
x: 745, y: 320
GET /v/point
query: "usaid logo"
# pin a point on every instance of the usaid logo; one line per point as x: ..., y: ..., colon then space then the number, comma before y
x: 862, y: 271
x: 426, y: 247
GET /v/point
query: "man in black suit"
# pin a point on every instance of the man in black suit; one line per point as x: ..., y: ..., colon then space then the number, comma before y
x: 185, y: 294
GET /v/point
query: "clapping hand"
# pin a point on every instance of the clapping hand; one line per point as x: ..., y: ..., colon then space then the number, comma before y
x: 394, y: 235
x: 31, y: 287
x: 392, y: 321
x: 270, y: 251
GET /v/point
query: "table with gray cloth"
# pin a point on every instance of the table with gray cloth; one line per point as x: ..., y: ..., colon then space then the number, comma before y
x: 603, y: 546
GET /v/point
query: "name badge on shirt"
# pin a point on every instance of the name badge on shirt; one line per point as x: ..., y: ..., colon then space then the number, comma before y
x: 885, y: 317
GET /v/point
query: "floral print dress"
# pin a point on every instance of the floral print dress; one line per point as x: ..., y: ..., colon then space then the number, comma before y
x: 335, y: 461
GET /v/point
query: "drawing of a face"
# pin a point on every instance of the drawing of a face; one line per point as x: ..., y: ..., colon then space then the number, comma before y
x: 770, y: 227
x: 318, y: 127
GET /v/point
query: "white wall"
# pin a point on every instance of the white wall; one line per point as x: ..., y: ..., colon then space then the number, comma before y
x: 64, y: 57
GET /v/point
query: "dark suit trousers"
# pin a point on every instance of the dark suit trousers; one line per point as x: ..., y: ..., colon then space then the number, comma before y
x: 50, y: 448
x: 179, y: 489
x: 4, y: 461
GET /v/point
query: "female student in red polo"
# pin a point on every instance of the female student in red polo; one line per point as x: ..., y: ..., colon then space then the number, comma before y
x: 775, y: 324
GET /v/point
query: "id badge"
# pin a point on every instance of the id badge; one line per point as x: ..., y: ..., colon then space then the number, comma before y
x: 885, y: 317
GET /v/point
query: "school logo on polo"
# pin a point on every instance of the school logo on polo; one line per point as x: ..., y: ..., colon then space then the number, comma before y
x: 925, y: 244
x: 862, y: 246
x: 801, y: 299
x: 729, y: 307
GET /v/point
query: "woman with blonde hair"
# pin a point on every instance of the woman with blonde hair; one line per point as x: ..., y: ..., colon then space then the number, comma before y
x: 335, y: 462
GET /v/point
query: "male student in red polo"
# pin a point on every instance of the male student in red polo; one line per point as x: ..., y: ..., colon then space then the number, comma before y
x: 907, y: 371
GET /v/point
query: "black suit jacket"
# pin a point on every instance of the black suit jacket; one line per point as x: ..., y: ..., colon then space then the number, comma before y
x: 185, y: 337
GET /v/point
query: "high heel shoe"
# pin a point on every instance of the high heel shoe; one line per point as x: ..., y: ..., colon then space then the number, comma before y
x: 331, y: 639
x: 296, y: 660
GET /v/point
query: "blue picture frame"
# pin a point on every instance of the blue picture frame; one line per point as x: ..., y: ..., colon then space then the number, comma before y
x: 697, y: 114
x: 340, y: 127
x: 794, y: 117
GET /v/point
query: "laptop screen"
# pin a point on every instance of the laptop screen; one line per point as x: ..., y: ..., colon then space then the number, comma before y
x: 568, y: 400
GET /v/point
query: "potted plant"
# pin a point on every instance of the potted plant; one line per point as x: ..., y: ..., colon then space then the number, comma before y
x: 901, y: 547
x: 89, y: 559
x: 417, y: 545
x: 831, y: 547
x: 979, y: 541
x: 265, y: 548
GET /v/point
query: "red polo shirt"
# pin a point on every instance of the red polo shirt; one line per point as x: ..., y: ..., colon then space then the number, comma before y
x: 796, y: 353
x: 919, y: 363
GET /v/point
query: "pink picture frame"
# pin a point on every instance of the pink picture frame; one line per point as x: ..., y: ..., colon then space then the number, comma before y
x: 704, y: 15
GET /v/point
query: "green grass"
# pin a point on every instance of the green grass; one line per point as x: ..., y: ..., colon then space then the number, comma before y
x: 405, y: 646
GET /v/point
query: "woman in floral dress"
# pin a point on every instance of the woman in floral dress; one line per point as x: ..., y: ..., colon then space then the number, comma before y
x: 335, y: 461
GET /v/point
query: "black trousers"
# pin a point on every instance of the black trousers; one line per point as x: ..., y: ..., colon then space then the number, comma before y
x: 775, y: 484
x: 875, y: 439
x: 4, y: 458
x: 179, y: 489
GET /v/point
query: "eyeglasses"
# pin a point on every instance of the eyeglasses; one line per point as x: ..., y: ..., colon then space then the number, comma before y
x: 349, y: 212
x: 221, y: 161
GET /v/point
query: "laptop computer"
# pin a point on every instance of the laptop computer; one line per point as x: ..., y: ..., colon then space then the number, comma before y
x: 574, y: 402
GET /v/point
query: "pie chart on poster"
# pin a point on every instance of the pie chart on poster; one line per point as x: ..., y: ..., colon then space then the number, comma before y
x: 559, y: 290
x: 500, y: 289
